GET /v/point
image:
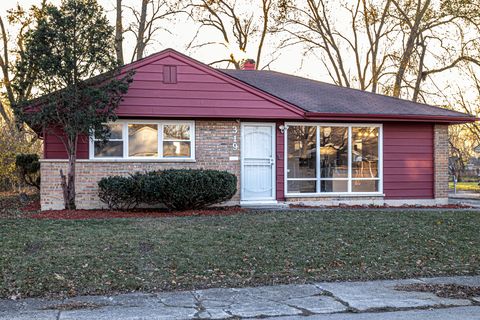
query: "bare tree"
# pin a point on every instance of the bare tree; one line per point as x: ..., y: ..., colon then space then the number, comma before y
x: 240, y: 28
x: 446, y: 34
x: 364, y: 39
x: 148, y: 22
x: 119, y: 32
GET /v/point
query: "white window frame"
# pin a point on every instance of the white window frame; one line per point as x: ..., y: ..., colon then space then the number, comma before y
x: 159, y: 157
x: 349, y: 178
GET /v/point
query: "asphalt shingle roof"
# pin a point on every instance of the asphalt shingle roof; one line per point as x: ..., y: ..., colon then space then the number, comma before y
x: 321, y: 97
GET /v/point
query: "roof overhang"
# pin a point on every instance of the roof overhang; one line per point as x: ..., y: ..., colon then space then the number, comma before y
x: 389, y: 118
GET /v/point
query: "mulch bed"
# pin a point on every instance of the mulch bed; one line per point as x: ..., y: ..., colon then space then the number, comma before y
x: 345, y: 206
x: 454, y: 291
x: 108, y: 214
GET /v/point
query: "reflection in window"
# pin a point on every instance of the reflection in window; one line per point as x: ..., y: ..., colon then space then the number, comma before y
x: 364, y: 152
x: 302, y: 186
x: 334, y: 152
x: 301, y: 149
x: 176, y: 140
x: 334, y: 186
x: 113, y: 147
x: 339, y: 170
x: 365, y: 185
x: 142, y: 140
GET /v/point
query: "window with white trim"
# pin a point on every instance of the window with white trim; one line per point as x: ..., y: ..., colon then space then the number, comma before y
x: 133, y: 139
x: 333, y: 158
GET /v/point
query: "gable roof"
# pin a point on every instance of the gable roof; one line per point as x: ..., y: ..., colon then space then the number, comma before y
x: 324, y: 100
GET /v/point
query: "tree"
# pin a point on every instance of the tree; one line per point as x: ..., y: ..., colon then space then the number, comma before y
x: 119, y: 33
x: 147, y: 22
x: 23, y: 20
x: 237, y: 27
x: 69, y: 46
x: 353, y: 51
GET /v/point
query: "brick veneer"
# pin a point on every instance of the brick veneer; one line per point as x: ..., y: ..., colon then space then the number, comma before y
x: 441, y: 161
x: 213, y: 149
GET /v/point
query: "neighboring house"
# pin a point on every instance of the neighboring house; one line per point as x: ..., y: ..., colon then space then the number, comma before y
x: 288, y: 139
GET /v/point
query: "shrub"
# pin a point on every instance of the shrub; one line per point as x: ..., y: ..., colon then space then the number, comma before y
x: 178, y: 189
x: 28, y: 168
x: 120, y: 193
x: 183, y: 189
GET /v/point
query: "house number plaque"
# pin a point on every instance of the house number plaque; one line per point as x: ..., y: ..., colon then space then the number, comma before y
x: 235, y: 144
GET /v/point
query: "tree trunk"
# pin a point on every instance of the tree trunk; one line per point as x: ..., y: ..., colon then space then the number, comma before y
x: 119, y: 33
x: 68, y: 181
x: 410, y: 46
x: 141, y: 30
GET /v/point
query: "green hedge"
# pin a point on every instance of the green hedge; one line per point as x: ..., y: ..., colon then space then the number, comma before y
x: 177, y: 189
x: 120, y: 192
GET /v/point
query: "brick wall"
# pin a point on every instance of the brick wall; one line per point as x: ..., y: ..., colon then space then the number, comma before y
x: 213, y: 148
x: 441, y: 161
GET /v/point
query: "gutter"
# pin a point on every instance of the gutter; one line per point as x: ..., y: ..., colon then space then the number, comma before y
x: 385, y: 117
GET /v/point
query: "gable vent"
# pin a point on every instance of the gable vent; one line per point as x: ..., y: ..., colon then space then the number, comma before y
x: 169, y: 74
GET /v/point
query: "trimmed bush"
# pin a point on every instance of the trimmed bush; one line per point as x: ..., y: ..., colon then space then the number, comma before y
x: 120, y: 193
x: 183, y: 189
x: 28, y: 168
x: 178, y: 189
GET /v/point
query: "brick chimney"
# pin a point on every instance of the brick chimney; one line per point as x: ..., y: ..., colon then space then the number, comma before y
x: 248, y: 64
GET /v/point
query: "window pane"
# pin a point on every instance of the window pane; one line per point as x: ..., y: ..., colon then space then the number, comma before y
x: 365, y: 185
x: 334, y: 152
x: 108, y: 149
x: 176, y: 149
x: 301, y: 186
x: 176, y: 132
x: 115, y: 131
x: 364, y: 152
x: 142, y: 140
x: 334, y: 186
x: 301, y: 151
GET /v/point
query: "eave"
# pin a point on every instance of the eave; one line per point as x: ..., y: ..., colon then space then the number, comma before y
x: 389, y: 118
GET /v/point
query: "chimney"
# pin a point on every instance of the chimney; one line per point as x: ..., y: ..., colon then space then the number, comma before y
x: 248, y: 64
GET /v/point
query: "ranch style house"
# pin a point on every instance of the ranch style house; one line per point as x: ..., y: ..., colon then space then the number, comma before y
x: 288, y: 139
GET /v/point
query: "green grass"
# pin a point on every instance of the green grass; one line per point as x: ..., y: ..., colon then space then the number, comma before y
x: 46, y: 257
x: 466, y: 186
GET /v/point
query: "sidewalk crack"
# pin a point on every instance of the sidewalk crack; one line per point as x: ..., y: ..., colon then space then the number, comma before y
x: 334, y: 297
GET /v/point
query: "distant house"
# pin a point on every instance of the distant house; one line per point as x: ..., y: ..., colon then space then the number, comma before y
x: 288, y: 139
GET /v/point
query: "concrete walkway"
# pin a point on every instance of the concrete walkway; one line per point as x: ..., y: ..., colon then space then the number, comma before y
x: 333, y: 301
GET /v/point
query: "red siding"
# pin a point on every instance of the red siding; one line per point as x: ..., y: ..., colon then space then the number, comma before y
x: 199, y: 91
x: 408, y: 161
x: 280, y: 145
x: 53, y: 148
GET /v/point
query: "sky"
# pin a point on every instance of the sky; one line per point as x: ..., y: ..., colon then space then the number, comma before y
x: 179, y: 39
x: 290, y: 60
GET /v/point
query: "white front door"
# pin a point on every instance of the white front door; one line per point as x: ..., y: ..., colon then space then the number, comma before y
x: 258, y: 162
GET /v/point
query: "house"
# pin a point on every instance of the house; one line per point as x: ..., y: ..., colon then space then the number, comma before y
x: 288, y: 139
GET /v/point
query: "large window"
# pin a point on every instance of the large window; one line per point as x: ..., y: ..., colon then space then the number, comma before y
x: 146, y: 140
x: 333, y: 159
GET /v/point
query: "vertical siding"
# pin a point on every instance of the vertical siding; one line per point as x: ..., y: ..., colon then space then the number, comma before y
x: 280, y: 161
x: 408, y: 161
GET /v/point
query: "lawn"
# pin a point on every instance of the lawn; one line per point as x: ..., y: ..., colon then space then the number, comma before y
x: 466, y: 186
x: 70, y: 257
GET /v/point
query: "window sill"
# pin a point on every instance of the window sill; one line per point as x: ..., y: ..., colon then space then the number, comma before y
x: 332, y: 194
x: 125, y: 160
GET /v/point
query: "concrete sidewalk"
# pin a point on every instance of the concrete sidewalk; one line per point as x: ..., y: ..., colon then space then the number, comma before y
x: 333, y: 301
